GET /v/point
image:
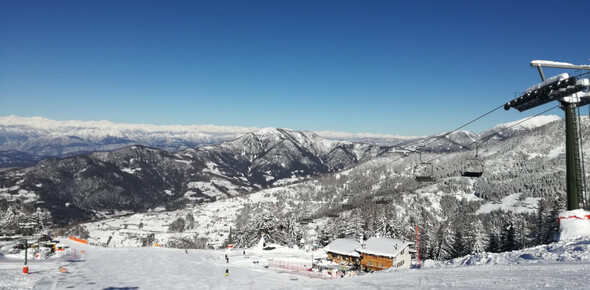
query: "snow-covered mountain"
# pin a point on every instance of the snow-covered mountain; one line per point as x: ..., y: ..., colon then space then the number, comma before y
x: 138, y: 178
x: 43, y: 137
x: 465, y: 140
x: 507, y: 130
x: 275, y: 178
x: 25, y: 141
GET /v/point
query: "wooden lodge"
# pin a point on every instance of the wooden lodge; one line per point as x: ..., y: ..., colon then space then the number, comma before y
x: 343, y: 251
x: 384, y: 253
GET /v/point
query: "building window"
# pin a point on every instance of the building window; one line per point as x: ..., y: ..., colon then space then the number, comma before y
x: 370, y: 263
x: 402, y: 252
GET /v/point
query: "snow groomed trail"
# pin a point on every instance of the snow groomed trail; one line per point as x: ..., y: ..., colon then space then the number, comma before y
x: 163, y: 268
x: 555, y: 266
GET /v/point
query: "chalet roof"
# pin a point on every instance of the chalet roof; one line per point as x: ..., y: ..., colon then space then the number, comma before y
x: 385, y: 247
x: 344, y: 247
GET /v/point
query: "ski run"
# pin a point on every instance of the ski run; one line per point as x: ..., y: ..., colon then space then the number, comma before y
x: 561, y: 265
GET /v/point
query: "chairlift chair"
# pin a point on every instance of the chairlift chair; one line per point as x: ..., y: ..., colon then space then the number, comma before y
x: 424, y: 171
x: 333, y: 214
x: 473, y: 167
x: 306, y: 218
x: 348, y: 205
x: 382, y: 201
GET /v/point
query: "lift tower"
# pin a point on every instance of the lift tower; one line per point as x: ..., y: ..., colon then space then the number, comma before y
x: 571, y: 93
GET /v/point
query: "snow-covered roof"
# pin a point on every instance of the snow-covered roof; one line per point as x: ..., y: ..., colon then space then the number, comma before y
x: 344, y: 247
x: 385, y: 247
x: 548, y: 63
x: 552, y: 79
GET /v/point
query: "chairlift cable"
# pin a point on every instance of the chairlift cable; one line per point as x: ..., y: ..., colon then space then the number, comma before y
x: 492, y: 135
x: 463, y: 126
x: 440, y: 137
x: 417, y: 141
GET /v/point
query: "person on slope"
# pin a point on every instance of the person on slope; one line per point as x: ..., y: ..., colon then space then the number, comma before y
x: 226, y: 272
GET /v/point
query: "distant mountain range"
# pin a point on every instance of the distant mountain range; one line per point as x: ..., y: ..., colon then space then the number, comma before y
x: 26, y: 140
x: 138, y: 178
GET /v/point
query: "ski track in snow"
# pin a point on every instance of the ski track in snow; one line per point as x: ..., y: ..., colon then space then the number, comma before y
x: 164, y: 268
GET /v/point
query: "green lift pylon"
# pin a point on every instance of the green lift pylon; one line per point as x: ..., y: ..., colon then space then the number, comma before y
x: 571, y: 93
x: 572, y: 157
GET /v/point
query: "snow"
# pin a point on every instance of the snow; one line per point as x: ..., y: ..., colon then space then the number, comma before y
x: 347, y: 135
x: 212, y: 167
x: 552, y: 79
x: 130, y: 170
x: 530, y: 124
x: 115, y: 129
x: 344, y: 247
x: 385, y: 247
x: 211, y: 221
x: 511, y: 203
x: 574, y: 224
x: 556, y: 266
x: 549, y: 63
x: 24, y: 195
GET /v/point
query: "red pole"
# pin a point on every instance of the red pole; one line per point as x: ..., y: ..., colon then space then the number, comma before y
x: 418, y: 246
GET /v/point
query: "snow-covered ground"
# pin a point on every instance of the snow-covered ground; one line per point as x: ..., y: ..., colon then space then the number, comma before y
x: 560, y: 265
x: 212, y: 221
x: 512, y: 203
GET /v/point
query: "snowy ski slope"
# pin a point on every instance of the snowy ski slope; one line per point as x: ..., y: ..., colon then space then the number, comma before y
x: 556, y: 266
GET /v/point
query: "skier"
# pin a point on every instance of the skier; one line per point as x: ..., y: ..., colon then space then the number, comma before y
x: 226, y: 272
x: 226, y: 259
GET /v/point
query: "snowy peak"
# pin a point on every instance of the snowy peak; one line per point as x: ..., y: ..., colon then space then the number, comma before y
x: 447, y: 142
x: 43, y: 137
x: 269, y: 155
x: 104, y: 127
x: 30, y: 139
x: 307, y: 140
x: 507, y: 130
x: 526, y: 125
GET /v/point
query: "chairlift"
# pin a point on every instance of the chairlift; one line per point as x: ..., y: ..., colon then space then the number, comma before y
x: 333, y: 214
x: 349, y: 203
x: 473, y: 167
x: 424, y: 171
x: 382, y: 201
x: 347, y: 206
x: 306, y: 218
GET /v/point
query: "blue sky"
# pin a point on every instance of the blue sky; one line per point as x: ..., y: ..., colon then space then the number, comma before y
x: 395, y: 67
